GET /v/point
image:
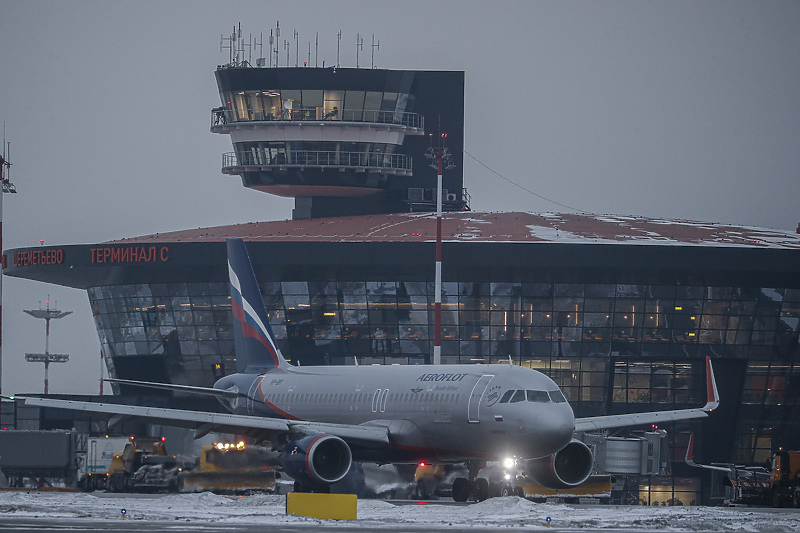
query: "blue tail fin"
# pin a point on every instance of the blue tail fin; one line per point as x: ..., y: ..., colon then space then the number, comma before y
x: 256, y: 350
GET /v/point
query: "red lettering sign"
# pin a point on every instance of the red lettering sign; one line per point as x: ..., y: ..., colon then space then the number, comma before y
x: 50, y: 256
x: 130, y: 254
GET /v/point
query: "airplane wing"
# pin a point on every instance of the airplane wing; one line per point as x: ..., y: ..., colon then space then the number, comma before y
x: 634, y: 419
x: 208, y: 391
x: 204, y: 422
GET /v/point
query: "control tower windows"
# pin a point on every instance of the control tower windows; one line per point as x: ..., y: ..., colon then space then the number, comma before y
x: 354, y: 105
x: 333, y: 106
x: 389, y: 102
x: 318, y: 104
x: 372, y: 101
x: 312, y: 104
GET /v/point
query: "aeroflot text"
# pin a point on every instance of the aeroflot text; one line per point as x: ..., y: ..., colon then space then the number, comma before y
x: 441, y: 377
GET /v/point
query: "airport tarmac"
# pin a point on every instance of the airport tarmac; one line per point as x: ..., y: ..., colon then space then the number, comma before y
x: 209, y: 513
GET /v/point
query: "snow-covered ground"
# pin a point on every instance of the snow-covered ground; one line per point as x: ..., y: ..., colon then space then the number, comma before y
x: 512, y: 512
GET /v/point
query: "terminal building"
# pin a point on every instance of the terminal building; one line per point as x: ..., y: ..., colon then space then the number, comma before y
x: 620, y: 311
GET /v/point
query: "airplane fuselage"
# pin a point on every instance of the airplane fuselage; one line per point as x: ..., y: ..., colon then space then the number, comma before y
x: 443, y: 413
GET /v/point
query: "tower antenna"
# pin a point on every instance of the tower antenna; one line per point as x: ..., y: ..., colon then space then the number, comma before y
x: 260, y: 43
x: 271, y: 42
x: 277, y: 40
x: 296, y: 50
x: 374, y: 47
x: 338, y: 41
x: 359, y: 46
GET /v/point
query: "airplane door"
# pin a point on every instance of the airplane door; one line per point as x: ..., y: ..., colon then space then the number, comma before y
x: 251, y: 394
x: 474, y: 406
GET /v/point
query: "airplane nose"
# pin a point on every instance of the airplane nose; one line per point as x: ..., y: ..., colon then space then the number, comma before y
x: 556, y: 431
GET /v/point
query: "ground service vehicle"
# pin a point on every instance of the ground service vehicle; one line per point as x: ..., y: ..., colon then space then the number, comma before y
x: 784, y: 478
x: 229, y: 469
x: 779, y: 484
x: 143, y: 466
x: 93, y: 464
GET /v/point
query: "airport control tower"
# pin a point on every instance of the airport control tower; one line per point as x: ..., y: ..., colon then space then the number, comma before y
x: 341, y: 141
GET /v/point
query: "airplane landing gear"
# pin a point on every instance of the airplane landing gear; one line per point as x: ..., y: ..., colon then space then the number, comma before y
x: 473, y: 488
x: 461, y: 489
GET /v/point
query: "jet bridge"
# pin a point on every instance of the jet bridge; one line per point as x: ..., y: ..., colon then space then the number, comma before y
x: 645, y: 454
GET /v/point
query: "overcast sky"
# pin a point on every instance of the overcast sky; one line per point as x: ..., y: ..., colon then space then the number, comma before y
x: 673, y: 109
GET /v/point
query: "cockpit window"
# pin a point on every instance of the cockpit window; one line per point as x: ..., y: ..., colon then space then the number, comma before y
x: 539, y: 396
x: 557, y: 396
x: 519, y: 396
x: 506, y: 396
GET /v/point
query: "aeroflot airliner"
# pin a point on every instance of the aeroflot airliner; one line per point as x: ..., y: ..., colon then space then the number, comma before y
x: 321, y: 419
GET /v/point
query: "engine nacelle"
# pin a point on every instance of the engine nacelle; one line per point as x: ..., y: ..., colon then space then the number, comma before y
x: 317, y: 459
x: 568, y: 467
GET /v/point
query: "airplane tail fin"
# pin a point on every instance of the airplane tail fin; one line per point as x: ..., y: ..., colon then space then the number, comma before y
x: 253, y: 339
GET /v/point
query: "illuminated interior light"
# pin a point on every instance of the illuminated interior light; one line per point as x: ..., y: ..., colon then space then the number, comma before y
x: 678, y: 308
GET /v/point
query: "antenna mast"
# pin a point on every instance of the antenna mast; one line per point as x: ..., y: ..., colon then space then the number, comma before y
x: 374, y: 47
x: 296, y: 50
x: 338, y: 41
x: 359, y: 46
x: 441, y: 156
x: 7, y: 187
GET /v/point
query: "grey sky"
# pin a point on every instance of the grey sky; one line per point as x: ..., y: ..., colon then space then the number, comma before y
x: 675, y: 109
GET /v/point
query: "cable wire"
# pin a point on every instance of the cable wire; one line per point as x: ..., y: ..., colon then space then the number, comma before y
x: 521, y: 187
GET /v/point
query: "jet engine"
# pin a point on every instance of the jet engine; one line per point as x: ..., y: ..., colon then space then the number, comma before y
x: 568, y: 467
x: 317, y: 459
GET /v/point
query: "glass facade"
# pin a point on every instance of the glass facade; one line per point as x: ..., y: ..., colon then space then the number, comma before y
x: 318, y: 104
x: 611, y: 348
x: 321, y: 153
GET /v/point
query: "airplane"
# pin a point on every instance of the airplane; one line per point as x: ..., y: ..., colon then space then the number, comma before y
x: 320, y: 419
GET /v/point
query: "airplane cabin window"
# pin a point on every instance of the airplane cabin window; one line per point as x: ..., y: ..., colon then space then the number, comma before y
x: 557, y: 396
x: 519, y: 396
x: 506, y: 396
x: 538, y: 396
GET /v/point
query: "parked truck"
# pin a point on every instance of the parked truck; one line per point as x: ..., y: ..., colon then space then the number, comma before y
x: 95, y: 459
x: 144, y: 466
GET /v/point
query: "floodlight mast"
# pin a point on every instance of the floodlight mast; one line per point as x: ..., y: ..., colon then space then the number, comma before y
x: 443, y: 157
x: 47, y: 357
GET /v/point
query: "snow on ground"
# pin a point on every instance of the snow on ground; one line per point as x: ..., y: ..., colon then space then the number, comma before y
x: 512, y: 512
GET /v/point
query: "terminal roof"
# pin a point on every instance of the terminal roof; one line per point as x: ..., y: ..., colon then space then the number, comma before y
x: 505, y: 227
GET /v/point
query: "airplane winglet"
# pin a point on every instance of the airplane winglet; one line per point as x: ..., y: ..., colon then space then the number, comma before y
x: 711, y: 388
x: 690, y: 451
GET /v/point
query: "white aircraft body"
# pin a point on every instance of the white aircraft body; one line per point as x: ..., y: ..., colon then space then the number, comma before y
x: 321, y: 419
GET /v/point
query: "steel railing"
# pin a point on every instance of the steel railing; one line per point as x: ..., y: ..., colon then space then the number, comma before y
x: 311, y: 158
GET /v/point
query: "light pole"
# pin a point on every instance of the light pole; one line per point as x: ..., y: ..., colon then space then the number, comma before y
x: 47, y: 357
x: 442, y: 157
x: 7, y: 187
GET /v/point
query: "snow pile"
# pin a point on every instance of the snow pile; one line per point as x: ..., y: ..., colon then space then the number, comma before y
x: 264, y: 510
